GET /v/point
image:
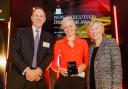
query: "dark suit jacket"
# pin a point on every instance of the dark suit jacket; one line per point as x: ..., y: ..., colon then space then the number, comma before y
x: 22, y: 55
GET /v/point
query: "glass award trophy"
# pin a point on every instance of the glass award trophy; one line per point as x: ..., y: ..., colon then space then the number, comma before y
x: 72, y: 69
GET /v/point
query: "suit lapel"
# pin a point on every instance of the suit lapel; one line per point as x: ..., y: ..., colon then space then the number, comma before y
x: 41, y: 40
x: 98, y: 51
x: 31, y: 38
x: 39, y: 53
x: 101, y: 46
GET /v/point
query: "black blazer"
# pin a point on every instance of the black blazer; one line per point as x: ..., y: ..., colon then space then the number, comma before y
x: 22, y: 55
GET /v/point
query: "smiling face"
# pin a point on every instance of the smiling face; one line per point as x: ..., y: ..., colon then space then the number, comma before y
x: 38, y: 18
x: 96, y: 30
x: 69, y: 27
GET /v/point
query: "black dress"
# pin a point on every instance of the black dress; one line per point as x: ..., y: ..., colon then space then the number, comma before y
x: 92, y: 78
x: 70, y: 83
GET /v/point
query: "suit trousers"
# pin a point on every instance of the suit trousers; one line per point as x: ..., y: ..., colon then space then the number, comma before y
x: 36, y: 85
x: 70, y: 83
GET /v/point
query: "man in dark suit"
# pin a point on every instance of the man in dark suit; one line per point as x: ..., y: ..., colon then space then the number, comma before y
x: 31, y: 55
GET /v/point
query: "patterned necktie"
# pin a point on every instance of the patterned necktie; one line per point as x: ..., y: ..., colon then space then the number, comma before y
x: 36, y: 42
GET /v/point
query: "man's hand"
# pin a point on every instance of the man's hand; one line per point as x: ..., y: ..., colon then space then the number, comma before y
x: 63, y: 71
x: 33, y: 74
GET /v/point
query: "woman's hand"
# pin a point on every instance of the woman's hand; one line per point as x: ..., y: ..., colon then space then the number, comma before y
x: 63, y: 71
x: 81, y: 68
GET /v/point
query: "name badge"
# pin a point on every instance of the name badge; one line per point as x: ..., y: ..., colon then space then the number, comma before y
x: 46, y: 44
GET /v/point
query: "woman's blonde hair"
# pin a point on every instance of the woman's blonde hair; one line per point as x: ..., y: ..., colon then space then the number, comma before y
x: 66, y: 20
x: 94, y: 22
x: 90, y: 26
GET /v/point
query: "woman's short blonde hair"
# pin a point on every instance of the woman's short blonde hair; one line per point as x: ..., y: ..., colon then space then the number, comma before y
x: 66, y: 20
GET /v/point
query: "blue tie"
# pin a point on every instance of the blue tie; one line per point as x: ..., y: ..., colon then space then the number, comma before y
x: 36, y: 42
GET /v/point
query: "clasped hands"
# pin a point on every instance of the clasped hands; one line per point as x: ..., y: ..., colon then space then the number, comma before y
x: 63, y: 71
x: 33, y: 74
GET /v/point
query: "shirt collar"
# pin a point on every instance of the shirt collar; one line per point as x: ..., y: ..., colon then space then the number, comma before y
x: 34, y: 28
x: 75, y: 40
